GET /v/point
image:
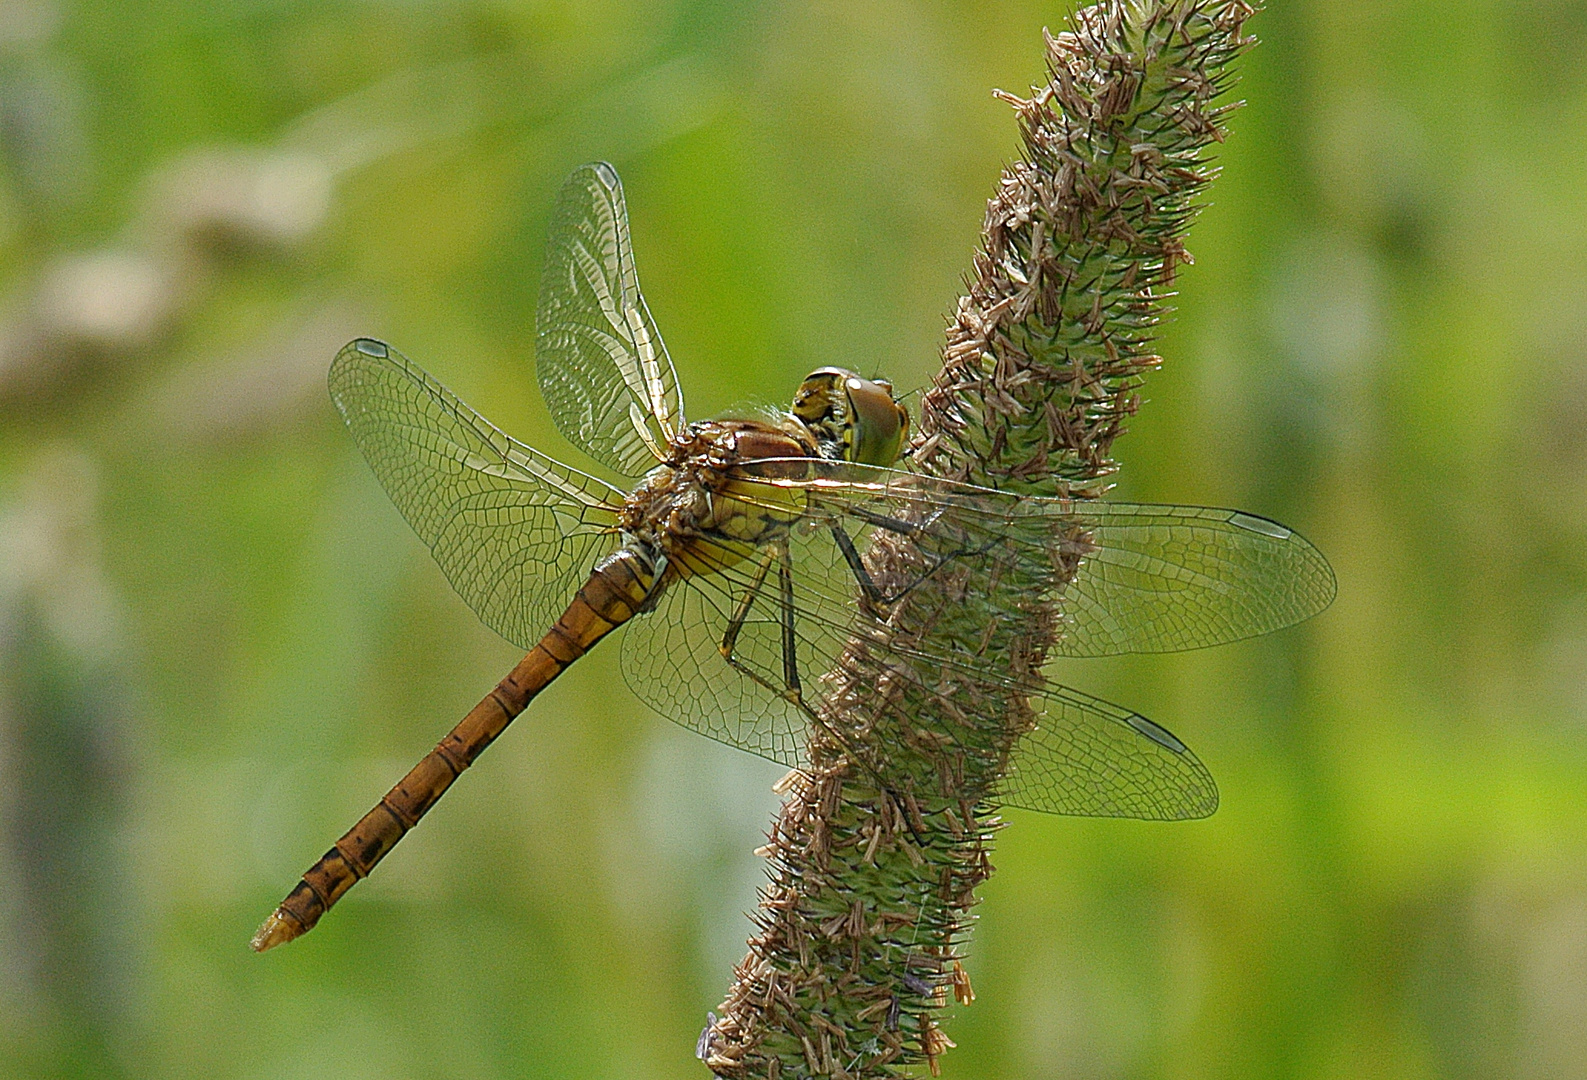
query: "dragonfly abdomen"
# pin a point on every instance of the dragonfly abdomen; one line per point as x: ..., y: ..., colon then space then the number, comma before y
x: 614, y: 592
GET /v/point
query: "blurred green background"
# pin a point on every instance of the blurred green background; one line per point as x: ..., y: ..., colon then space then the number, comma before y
x: 219, y: 643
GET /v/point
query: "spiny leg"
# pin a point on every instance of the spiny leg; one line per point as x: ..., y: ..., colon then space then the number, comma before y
x: 791, y: 690
x: 790, y: 658
x: 853, y: 754
x: 736, y: 623
x: 867, y: 584
x: 868, y: 588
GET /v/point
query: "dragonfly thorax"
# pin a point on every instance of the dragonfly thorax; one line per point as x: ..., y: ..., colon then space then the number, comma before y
x: 685, y: 510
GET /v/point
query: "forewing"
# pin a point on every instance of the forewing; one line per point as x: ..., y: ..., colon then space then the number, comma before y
x: 603, y: 369
x: 1145, y: 579
x: 1095, y: 759
x: 1171, y: 578
x: 515, y: 531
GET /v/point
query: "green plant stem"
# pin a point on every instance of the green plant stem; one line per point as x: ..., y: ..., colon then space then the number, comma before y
x: 874, y: 869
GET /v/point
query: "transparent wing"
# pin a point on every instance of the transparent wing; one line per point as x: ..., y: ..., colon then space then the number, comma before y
x: 1146, y: 579
x: 515, y: 531
x: 1085, y: 756
x: 1092, y: 758
x: 602, y: 367
x: 672, y: 662
x: 1171, y: 578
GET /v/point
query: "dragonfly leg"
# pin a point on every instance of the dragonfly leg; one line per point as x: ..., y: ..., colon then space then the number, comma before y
x: 791, y: 690
x: 892, y: 524
x: 740, y: 613
x: 796, y: 698
x: 790, y: 658
x: 868, y: 587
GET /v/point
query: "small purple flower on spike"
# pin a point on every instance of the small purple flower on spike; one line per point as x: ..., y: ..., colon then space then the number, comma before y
x: 702, y: 1046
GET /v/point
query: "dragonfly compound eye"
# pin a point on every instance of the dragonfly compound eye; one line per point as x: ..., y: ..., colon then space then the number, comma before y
x: 876, y: 423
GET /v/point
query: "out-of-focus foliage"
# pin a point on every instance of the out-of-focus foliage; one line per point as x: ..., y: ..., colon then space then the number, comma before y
x: 219, y: 644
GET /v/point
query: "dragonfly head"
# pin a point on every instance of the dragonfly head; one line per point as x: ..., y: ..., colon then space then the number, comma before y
x: 852, y: 418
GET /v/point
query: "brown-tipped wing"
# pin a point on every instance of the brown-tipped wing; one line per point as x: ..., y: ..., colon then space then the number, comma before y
x: 603, y: 369
x: 515, y: 531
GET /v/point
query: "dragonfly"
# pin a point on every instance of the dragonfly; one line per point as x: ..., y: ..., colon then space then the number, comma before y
x: 732, y: 556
